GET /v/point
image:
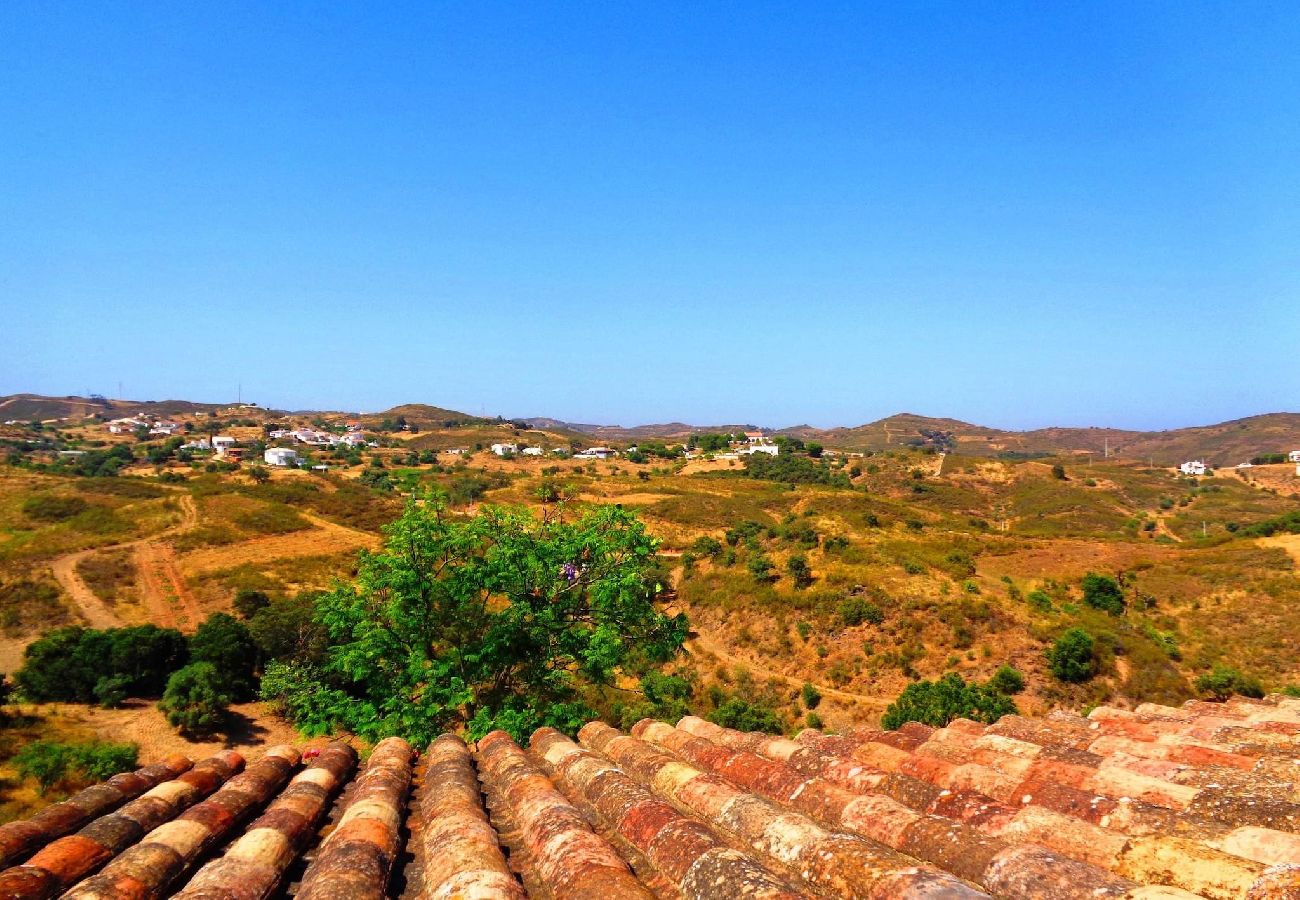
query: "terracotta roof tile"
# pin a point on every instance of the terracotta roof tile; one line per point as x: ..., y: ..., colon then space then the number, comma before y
x: 1155, y: 803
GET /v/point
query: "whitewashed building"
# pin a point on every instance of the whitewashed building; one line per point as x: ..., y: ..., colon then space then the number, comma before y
x: 769, y: 449
x: 504, y: 449
x: 532, y: 451
x: 280, y: 456
x: 596, y: 453
x: 1194, y: 467
x: 1294, y: 456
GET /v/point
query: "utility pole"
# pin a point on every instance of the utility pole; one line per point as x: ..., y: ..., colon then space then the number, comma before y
x: 1106, y: 452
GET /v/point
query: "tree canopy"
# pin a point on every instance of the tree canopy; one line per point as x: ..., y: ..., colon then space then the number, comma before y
x: 501, y: 620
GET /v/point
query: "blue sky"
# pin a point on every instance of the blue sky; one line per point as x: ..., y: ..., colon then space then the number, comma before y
x: 1017, y: 215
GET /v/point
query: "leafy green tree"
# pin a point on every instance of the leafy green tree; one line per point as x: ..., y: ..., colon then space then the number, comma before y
x: 259, y: 474
x: 495, y: 621
x: 1058, y: 472
x: 146, y: 655
x: 287, y: 630
x: 939, y: 702
x: 666, y: 698
x: 64, y: 665
x: 1104, y: 593
x: 195, y: 700
x: 1223, y: 681
x: 1072, y: 657
x: 1007, y: 680
x: 112, y: 690
x: 760, y: 566
x: 225, y: 642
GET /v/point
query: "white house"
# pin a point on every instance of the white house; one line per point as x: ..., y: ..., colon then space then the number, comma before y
x: 353, y: 439
x: 126, y: 426
x: 769, y: 449
x: 1195, y: 467
x: 596, y: 453
x: 532, y: 451
x: 223, y: 442
x: 168, y: 428
x: 1294, y: 456
x: 503, y: 449
x: 280, y: 456
x: 200, y: 444
x: 755, y: 437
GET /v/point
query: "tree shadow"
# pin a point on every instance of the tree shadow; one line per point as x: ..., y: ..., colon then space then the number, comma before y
x: 242, y: 730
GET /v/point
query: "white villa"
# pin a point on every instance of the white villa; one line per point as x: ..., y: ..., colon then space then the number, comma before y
x: 280, y: 456
x: 1195, y: 467
x: 503, y: 449
x: 769, y: 449
x: 596, y: 453
x: 532, y: 451
x: 1294, y: 456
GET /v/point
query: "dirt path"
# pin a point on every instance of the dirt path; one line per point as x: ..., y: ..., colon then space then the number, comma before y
x: 95, y: 611
x: 161, y: 587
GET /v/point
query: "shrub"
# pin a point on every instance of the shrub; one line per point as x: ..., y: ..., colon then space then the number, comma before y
x: 746, y: 715
x: 939, y: 702
x: 799, y: 570
x: 1007, y: 680
x: 51, y: 762
x: 49, y: 508
x: 1040, y: 600
x: 195, y: 700
x: 1223, y: 682
x: 1104, y: 593
x: 111, y: 691
x: 856, y: 610
x: 1058, y: 472
x: 760, y: 566
x: 812, y: 720
x: 706, y: 546
x: 1072, y: 657
x: 810, y: 695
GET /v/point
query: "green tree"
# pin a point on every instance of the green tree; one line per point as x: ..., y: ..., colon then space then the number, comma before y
x: 810, y: 695
x: 856, y: 610
x: 1058, y: 472
x: 1072, y: 657
x: 224, y: 641
x: 495, y: 621
x: 259, y: 474
x: 287, y: 630
x: 1104, y: 593
x: 939, y: 702
x: 747, y: 715
x: 195, y: 700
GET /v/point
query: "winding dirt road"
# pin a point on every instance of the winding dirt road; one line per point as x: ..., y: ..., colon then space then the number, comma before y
x: 162, y: 589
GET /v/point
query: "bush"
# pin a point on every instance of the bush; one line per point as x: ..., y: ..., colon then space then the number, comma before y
x: 1072, y: 657
x: 1058, y: 472
x: 746, y: 715
x: 195, y: 700
x: 810, y: 695
x: 287, y: 630
x: 799, y: 570
x: 67, y: 664
x: 1223, y: 682
x: 856, y: 610
x: 1104, y: 593
x: 51, y: 763
x: 1040, y: 600
x: 939, y: 702
x: 111, y: 691
x: 706, y: 546
x: 48, y: 508
x: 760, y: 567
x: 1007, y: 680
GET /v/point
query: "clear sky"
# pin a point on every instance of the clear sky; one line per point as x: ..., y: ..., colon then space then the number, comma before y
x: 1019, y: 215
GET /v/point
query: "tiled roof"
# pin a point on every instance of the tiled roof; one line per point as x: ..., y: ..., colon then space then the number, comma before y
x: 1151, y: 804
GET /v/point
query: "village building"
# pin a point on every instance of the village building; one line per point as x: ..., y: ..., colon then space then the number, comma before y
x: 280, y: 456
x: 769, y: 449
x: 596, y: 453
x: 532, y: 451
x: 1194, y: 467
x: 504, y: 449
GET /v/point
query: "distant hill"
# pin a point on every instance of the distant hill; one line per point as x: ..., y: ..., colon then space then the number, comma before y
x: 423, y: 415
x: 35, y: 406
x: 667, y: 430
x: 1226, y: 443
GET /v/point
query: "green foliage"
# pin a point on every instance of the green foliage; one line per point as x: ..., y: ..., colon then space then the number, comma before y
x: 1222, y: 682
x: 1104, y: 593
x: 1072, y: 658
x: 495, y: 621
x: 939, y: 702
x: 67, y: 664
x: 1007, y: 680
x: 706, y: 546
x: 225, y: 642
x: 52, y: 508
x: 799, y: 570
x: 195, y: 700
x: 856, y: 610
x: 760, y: 566
x: 1058, y: 472
x: 112, y: 690
x: 747, y: 715
x: 287, y: 630
x: 249, y: 602
x: 792, y: 469
x: 1040, y: 600
x: 810, y: 695
x: 665, y: 697
x: 1285, y: 524
x: 73, y: 765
